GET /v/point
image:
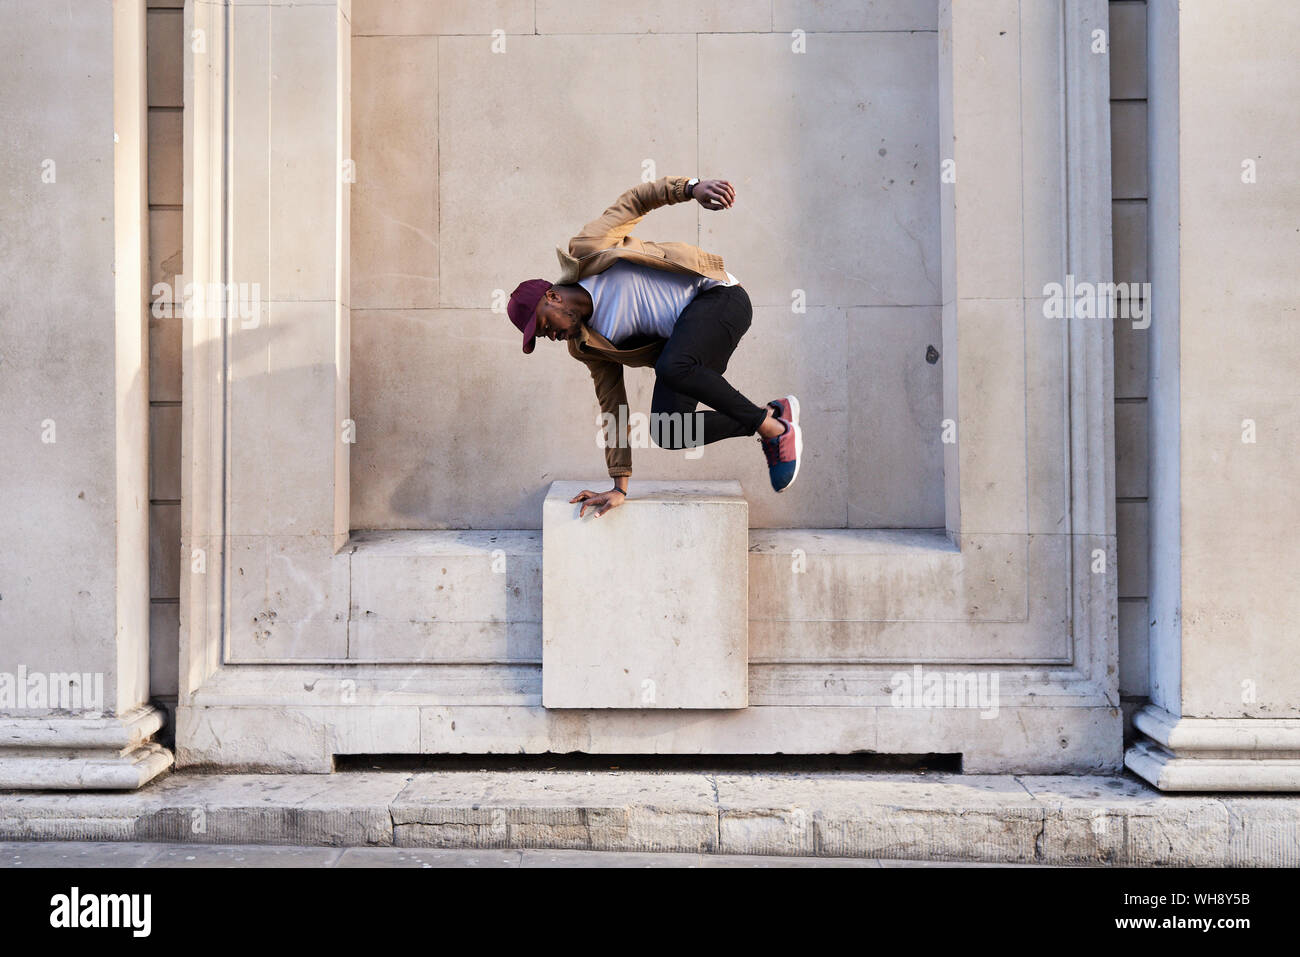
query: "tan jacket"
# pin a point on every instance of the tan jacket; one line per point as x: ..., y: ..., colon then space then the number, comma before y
x: 602, y: 243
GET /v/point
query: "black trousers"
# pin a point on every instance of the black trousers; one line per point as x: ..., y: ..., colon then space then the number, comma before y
x: 689, y: 371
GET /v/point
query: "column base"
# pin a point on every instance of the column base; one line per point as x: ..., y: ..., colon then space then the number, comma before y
x: 1215, y: 754
x: 68, y: 753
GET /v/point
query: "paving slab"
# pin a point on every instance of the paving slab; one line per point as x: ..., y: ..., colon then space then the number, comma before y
x: 77, y: 854
x: 577, y: 859
x: 339, y: 810
x: 246, y: 855
x: 573, y: 810
x: 944, y: 817
x: 425, y: 857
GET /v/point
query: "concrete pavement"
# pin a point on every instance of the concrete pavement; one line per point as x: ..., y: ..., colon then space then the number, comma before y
x: 1059, y: 820
x: 15, y: 854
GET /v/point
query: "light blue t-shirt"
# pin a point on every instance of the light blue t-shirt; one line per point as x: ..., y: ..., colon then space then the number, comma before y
x: 630, y: 299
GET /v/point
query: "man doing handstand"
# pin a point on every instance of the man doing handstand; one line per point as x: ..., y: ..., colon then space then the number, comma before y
x: 622, y: 301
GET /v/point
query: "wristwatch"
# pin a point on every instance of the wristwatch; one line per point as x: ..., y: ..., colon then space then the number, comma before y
x: 690, y: 186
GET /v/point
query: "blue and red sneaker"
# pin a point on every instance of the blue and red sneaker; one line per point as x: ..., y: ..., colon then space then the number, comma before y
x: 786, y: 408
x: 783, y: 451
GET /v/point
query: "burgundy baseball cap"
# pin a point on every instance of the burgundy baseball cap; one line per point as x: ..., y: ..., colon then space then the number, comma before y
x: 522, y: 308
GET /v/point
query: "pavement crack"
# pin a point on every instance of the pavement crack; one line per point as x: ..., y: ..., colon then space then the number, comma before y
x: 717, y: 813
x: 1016, y: 778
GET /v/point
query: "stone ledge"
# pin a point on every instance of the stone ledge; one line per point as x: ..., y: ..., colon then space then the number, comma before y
x: 1065, y: 820
x: 429, y: 596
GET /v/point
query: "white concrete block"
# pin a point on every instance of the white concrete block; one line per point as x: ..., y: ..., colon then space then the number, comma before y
x: 646, y: 606
x: 869, y: 146
x: 665, y: 16
x: 165, y: 159
x: 851, y: 16
x: 1131, y: 449
x: 394, y: 228
x: 166, y: 41
x: 1128, y: 124
x: 403, y: 18
x: 1128, y: 51
x: 494, y: 108
x: 1134, y: 671
x: 446, y: 595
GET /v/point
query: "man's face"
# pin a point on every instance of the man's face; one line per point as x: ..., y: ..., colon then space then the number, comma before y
x: 557, y: 316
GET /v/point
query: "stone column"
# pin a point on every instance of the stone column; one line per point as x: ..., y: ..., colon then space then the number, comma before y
x: 74, y: 577
x: 1225, y: 558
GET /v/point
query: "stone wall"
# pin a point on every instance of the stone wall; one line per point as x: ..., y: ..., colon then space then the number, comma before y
x: 474, y: 161
x: 318, y: 639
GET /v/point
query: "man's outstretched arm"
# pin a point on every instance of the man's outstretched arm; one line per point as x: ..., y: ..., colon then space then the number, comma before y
x: 614, y: 225
x: 611, y: 396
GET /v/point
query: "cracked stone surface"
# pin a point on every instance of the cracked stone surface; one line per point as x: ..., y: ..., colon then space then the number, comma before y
x: 1058, y: 820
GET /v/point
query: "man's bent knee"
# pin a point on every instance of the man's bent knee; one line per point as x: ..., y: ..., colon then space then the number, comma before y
x: 671, y: 370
